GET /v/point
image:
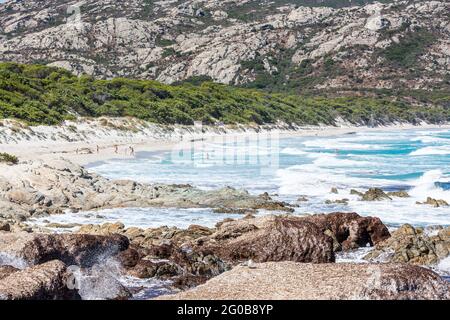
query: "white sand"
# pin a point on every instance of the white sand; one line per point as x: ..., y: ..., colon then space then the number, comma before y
x: 47, y: 142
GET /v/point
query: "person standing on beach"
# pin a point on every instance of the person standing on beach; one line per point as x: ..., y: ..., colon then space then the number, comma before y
x: 116, y: 149
x: 98, y: 149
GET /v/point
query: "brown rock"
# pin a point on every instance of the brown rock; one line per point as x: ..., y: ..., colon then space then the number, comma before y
x: 6, y: 271
x: 339, y: 201
x: 160, y: 269
x: 234, y: 210
x: 350, y: 229
x: 128, y: 258
x: 375, y: 194
x: 412, y: 245
x: 399, y: 194
x: 271, y: 239
x: 355, y: 192
x: 72, y: 249
x: 47, y: 281
x: 5, y: 226
x: 332, y: 281
x: 434, y: 202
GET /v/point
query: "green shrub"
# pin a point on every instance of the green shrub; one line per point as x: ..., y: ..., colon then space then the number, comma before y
x: 8, y: 158
x: 406, y: 52
x: 44, y: 95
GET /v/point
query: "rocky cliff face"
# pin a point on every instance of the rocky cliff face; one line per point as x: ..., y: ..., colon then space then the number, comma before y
x: 273, y: 44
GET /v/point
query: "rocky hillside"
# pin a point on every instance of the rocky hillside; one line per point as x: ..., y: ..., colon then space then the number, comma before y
x: 277, y: 45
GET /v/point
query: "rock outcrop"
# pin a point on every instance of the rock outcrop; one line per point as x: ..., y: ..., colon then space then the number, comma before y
x: 6, y: 271
x: 375, y: 194
x: 61, y: 266
x: 350, y: 230
x: 47, y: 281
x: 435, y: 202
x: 167, y: 251
x: 413, y: 245
x: 336, y: 281
x: 271, y: 239
x: 38, y: 187
x: 233, y: 41
x: 72, y: 249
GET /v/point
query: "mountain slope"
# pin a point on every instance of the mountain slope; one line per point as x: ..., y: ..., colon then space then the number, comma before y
x: 276, y: 45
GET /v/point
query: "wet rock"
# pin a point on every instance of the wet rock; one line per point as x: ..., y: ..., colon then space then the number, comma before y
x: 49, y: 187
x: 128, y: 258
x: 101, y: 283
x: 5, y: 226
x: 159, y: 269
x: 265, y: 196
x: 218, y: 224
x: 332, y: 281
x: 350, y: 229
x: 413, y: 245
x: 234, y: 211
x: 302, y: 199
x: 72, y: 249
x: 375, y: 194
x: 356, y: 192
x: 62, y: 225
x: 339, y: 201
x: 226, y: 197
x: 399, y: 194
x: 271, y: 239
x: 47, y: 281
x: 104, y: 229
x: 434, y: 202
x: 334, y: 190
x: 6, y: 271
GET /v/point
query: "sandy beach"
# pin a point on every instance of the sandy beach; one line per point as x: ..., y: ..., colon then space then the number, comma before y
x: 95, y: 142
x: 223, y: 227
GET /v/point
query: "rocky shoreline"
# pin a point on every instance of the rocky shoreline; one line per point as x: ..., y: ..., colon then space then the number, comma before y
x: 36, y: 263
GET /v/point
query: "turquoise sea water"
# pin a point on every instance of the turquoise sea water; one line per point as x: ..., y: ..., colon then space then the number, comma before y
x: 414, y: 160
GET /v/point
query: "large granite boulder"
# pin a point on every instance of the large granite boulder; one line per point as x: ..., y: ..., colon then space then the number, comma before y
x: 350, y: 230
x: 271, y: 239
x: 333, y: 281
x: 73, y: 249
x: 47, y: 281
x: 413, y: 245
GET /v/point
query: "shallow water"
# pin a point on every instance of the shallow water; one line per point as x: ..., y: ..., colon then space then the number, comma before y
x: 415, y: 160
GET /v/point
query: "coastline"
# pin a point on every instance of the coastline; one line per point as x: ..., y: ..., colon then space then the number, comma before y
x: 50, y: 177
x: 155, y: 138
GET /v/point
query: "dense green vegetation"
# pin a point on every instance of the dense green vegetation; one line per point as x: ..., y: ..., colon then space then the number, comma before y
x: 406, y: 52
x: 43, y: 95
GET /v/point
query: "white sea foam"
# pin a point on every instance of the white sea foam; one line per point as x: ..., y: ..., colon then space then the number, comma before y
x: 7, y: 259
x: 333, y: 144
x: 427, y: 151
x: 311, y: 179
x: 330, y: 160
x: 425, y: 186
x: 444, y: 266
x: 431, y: 139
x: 140, y: 217
x: 308, y: 168
x: 294, y: 151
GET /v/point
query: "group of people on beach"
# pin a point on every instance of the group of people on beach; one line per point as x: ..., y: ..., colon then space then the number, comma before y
x: 128, y: 151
